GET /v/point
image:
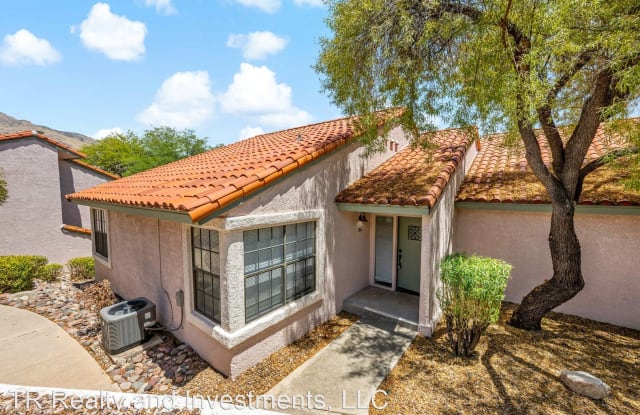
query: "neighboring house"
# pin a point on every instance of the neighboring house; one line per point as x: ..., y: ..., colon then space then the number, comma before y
x: 36, y: 219
x: 273, y: 235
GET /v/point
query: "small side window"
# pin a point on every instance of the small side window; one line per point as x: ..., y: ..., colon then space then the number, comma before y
x: 100, y: 233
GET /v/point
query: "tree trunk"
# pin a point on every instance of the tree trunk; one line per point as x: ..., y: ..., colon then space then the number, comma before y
x: 567, y: 278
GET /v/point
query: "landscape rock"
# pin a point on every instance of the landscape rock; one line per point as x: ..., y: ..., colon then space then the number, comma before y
x: 153, y: 371
x: 585, y: 384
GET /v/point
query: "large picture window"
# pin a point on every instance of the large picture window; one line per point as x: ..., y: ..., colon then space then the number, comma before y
x: 279, y: 266
x: 206, y: 272
x: 100, y: 233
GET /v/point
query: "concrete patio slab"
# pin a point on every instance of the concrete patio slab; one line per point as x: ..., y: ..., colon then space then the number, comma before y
x: 347, y: 372
x: 36, y: 352
x: 381, y: 303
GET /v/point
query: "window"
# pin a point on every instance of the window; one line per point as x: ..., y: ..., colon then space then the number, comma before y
x: 205, y: 247
x: 279, y: 267
x: 100, y: 233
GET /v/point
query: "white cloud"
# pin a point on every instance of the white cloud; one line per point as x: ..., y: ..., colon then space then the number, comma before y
x: 162, y: 6
x: 249, y: 131
x: 256, y: 92
x: 257, y: 45
x: 116, y: 36
x: 23, y: 48
x: 106, y: 132
x: 183, y: 101
x: 311, y: 3
x: 269, y: 6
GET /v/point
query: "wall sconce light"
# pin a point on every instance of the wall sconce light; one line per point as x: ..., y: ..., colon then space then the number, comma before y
x: 362, y: 219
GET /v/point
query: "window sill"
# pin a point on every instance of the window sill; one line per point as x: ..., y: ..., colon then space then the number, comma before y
x: 231, y: 339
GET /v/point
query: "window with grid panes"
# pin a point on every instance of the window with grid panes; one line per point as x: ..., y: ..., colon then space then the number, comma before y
x: 279, y: 266
x: 205, y: 248
x: 100, y: 233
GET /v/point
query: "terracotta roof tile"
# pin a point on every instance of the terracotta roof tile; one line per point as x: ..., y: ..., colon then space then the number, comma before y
x: 500, y: 174
x: 32, y: 134
x: 206, y: 182
x: 414, y: 176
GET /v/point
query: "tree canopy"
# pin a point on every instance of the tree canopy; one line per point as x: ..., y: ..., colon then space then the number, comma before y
x: 493, y: 63
x: 504, y: 65
x: 127, y: 154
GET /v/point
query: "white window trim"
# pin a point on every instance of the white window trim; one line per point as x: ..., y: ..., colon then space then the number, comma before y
x: 98, y: 257
x: 233, y: 330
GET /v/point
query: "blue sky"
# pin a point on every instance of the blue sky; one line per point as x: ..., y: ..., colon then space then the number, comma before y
x: 225, y: 68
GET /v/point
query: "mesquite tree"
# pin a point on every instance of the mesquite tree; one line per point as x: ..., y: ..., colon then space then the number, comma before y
x: 503, y: 65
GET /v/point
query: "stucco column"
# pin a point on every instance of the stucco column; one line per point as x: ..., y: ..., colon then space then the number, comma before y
x: 425, y: 325
x: 232, y: 284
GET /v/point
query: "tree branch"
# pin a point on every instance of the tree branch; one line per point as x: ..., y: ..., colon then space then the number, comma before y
x: 552, y: 135
x: 601, y: 161
x: 590, y: 118
x: 583, y: 59
x: 596, y: 164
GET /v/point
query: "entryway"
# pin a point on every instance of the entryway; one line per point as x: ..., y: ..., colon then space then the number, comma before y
x: 380, y: 303
x: 398, y: 241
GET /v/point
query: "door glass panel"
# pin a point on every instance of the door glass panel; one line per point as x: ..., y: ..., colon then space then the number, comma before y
x: 384, y: 250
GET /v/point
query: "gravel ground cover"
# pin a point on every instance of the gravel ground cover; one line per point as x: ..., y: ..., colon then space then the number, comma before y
x: 171, y: 366
x: 516, y: 372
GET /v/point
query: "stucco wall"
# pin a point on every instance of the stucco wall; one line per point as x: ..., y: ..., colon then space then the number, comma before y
x: 74, y: 178
x: 346, y: 251
x: 609, y: 258
x: 146, y: 259
x: 438, y: 234
x: 135, y: 269
x: 31, y: 218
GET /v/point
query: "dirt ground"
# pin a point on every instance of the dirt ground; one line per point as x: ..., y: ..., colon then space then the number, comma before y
x: 517, y: 372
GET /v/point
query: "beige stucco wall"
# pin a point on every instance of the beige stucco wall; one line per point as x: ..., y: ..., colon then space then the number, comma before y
x: 135, y: 257
x: 32, y: 216
x: 437, y: 242
x: 345, y: 251
x: 609, y: 255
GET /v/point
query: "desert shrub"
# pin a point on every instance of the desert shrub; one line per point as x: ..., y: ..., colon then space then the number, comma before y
x: 98, y: 295
x: 49, y: 272
x: 17, y: 271
x: 82, y: 268
x: 471, y: 294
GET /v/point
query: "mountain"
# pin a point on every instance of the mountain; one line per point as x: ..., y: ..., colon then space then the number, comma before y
x: 8, y: 124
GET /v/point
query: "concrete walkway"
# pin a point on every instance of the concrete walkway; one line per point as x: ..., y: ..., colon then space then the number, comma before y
x: 347, y: 372
x: 36, y: 352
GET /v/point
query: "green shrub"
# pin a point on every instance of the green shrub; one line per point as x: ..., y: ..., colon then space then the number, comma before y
x: 17, y: 271
x: 82, y: 268
x: 49, y: 272
x: 471, y: 294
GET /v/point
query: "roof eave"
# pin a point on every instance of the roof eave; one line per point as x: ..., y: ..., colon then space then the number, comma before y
x: 402, y: 210
x: 164, y: 214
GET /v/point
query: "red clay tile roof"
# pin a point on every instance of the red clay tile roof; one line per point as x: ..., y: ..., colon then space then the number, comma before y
x: 31, y: 134
x: 76, y: 229
x: 415, y: 176
x: 202, y: 184
x: 501, y: 175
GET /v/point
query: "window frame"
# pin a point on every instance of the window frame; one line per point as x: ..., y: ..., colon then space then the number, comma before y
x: 210, y: 274
x: 285, y: 298
x: 101, y: 215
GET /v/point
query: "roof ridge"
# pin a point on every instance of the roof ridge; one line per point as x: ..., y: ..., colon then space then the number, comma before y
x: 295, y: 128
